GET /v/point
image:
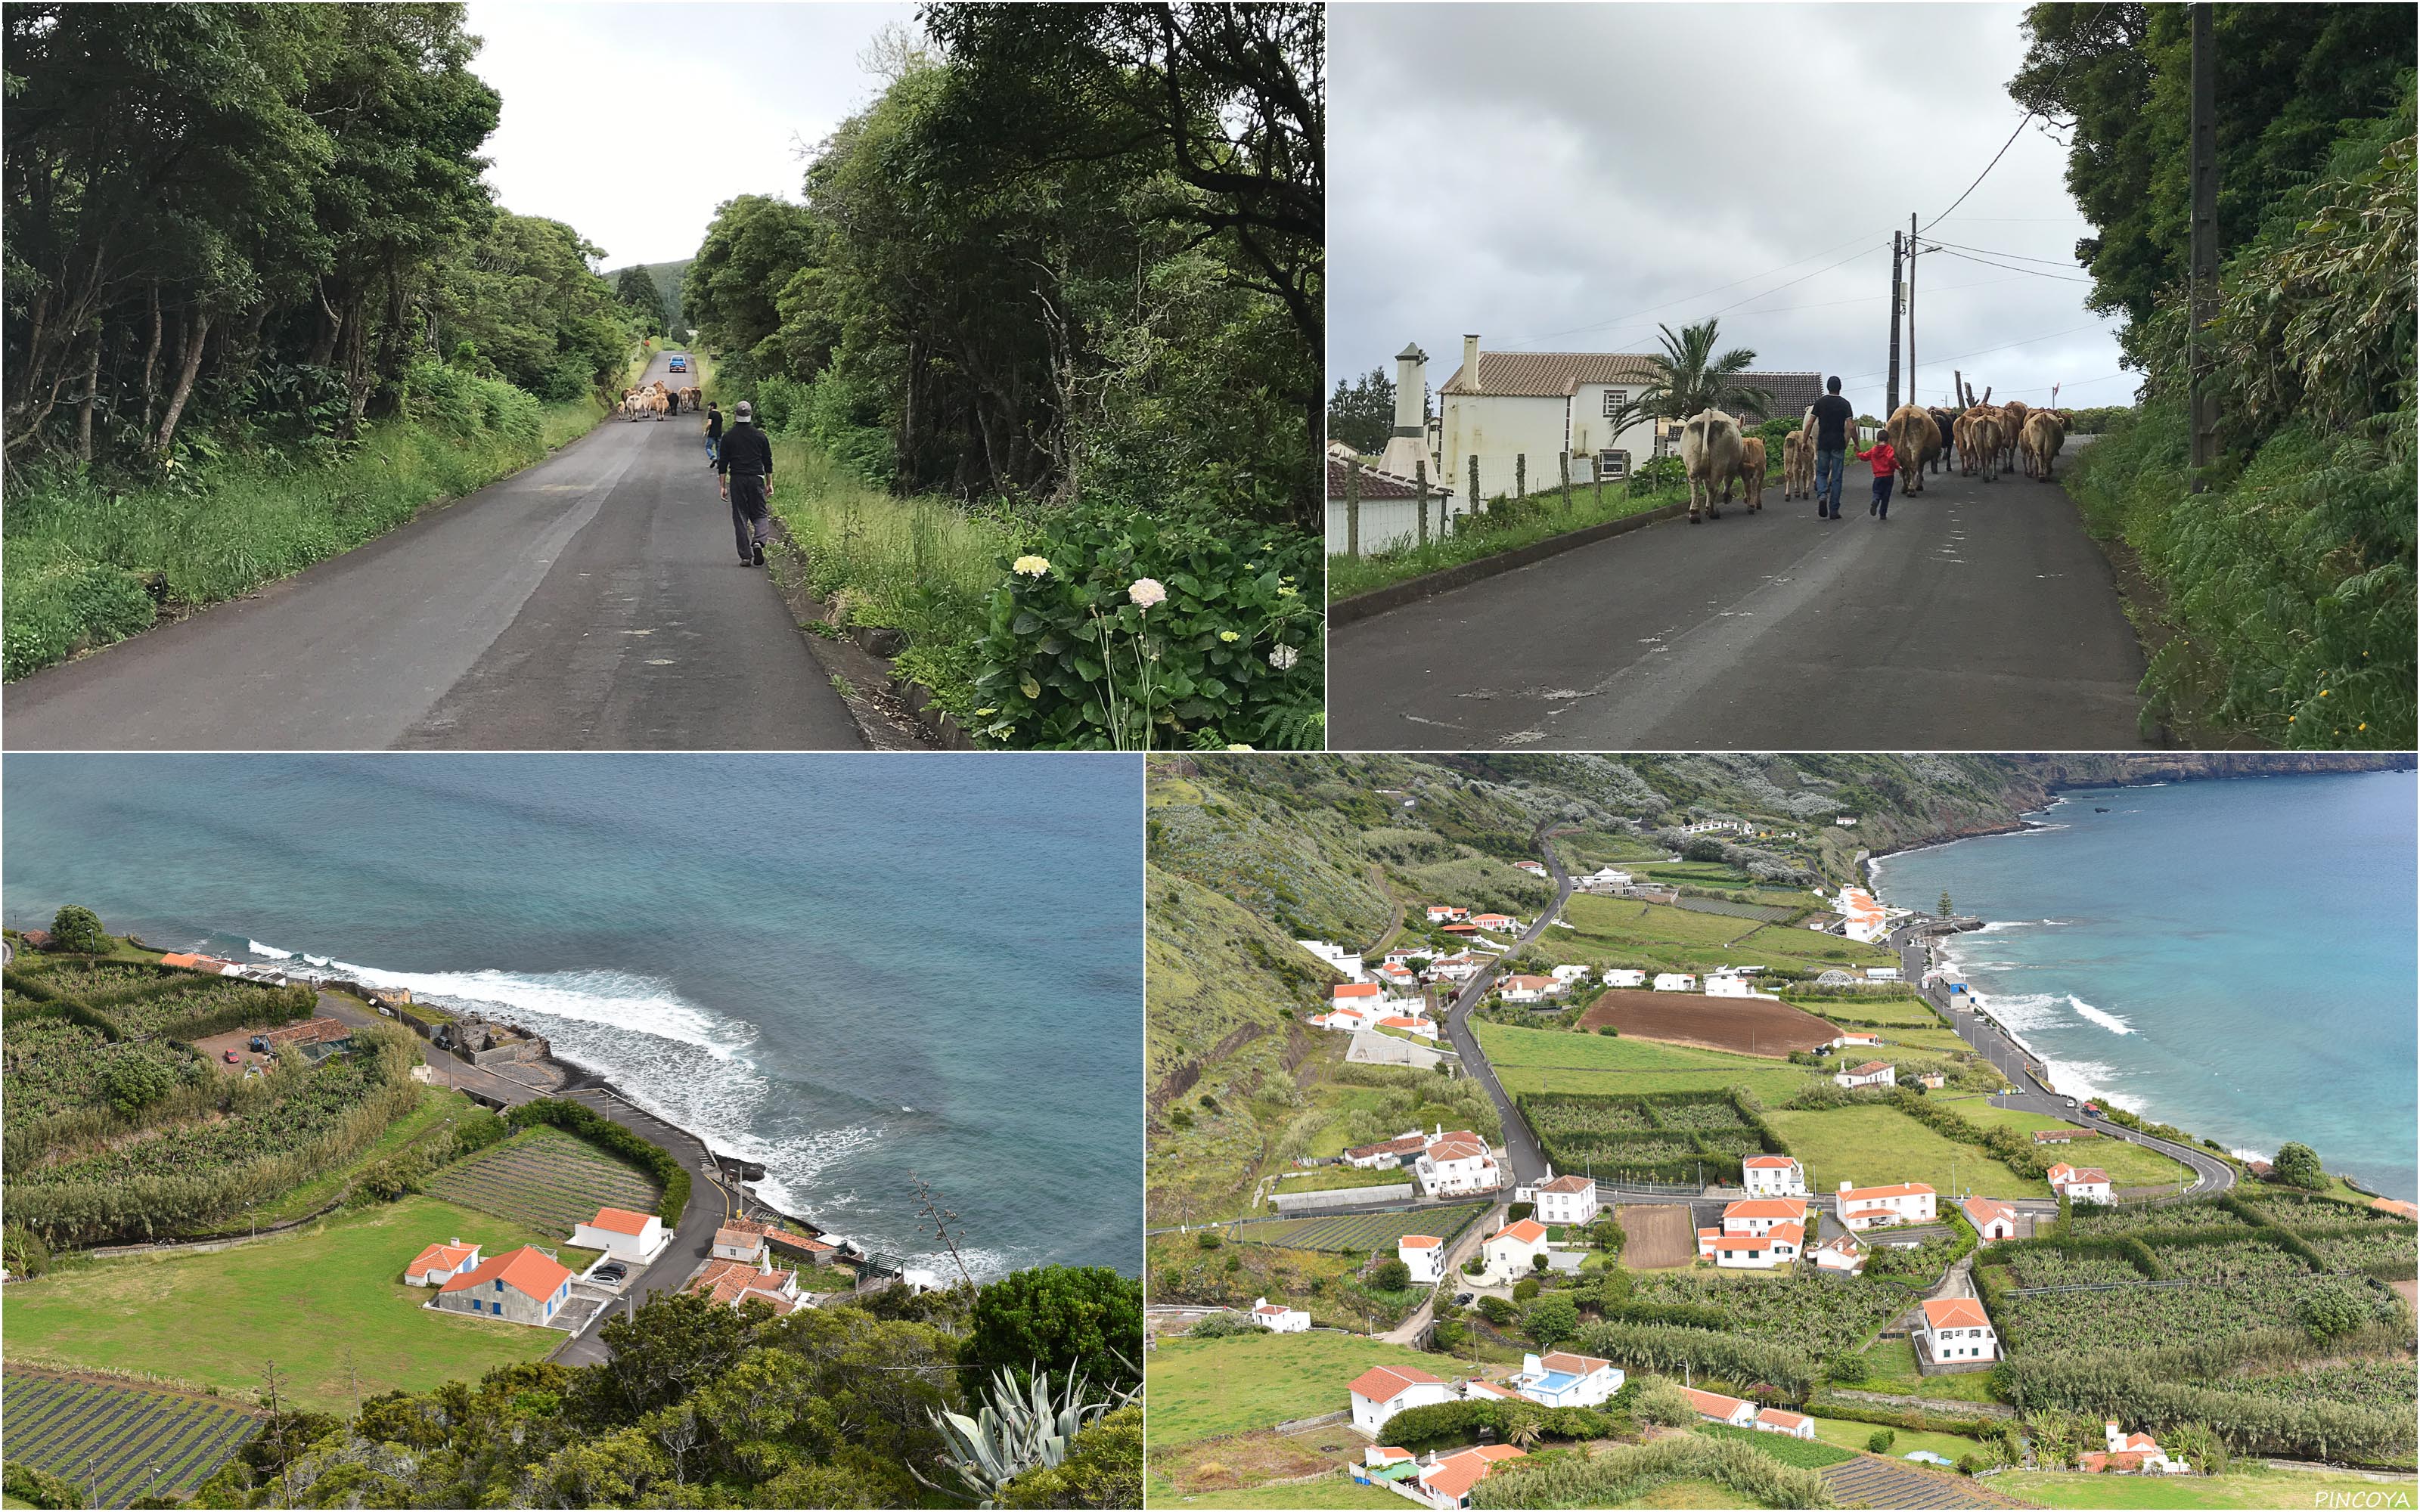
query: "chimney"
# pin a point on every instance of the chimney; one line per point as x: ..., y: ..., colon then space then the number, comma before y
x: 1411, y: 391
x: 1531, y: 1364
x: 1471, y: 364
x: 1844, y: 1186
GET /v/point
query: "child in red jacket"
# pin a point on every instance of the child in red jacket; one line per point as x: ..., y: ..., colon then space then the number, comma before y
x: 1885, y: 463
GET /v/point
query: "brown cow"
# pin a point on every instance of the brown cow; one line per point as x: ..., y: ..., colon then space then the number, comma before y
x: 2043, y: 437
x: 1913, y: 438
x: 1752, y: 472
x: 2012, y: 427
x: 1710, y: 453
x: 1983, y: 429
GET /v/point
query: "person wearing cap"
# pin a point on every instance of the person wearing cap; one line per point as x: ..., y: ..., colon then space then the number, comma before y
x: 744, y: 460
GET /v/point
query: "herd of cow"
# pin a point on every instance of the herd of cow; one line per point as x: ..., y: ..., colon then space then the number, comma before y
x: 1984, y: 437
x: 659, y: 401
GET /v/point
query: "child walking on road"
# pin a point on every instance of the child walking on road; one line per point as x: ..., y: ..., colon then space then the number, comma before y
x: 1885, y: 463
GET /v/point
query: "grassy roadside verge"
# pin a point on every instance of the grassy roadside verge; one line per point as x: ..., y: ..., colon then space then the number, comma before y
x: 86, y: 564
x: 1506, y: 524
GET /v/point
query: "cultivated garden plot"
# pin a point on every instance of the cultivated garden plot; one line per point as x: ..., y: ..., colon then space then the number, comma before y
x: 1768, y: 913
x: 1747, y: 1026
x: 1666, y: 1138
x: 1555, y: 1061
x: 118, y: 1442
x: 1875, y: 1144
x: 1360, y: 1232
x: 54, y: 1064
x: 1820, y: 1315
x: 546, y: 1178
x: 2163, y: 1316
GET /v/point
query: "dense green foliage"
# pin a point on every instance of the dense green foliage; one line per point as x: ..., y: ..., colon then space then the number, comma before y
x: 2289, y: 583
x: 1672, y: 1136
x: 1061, y: 1319
x: 700, y: 1406
x: 1621, y: 1474
x: 1361, y: 413
x: 1806, y: 1454
x: 589, y: 1124
x: 75, y: 927
x: 1445, y: 1423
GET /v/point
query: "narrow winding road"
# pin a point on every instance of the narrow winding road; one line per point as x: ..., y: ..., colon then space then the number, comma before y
x: 1978, y: 617
x: 593, y: 601
x: 1521, y: 1149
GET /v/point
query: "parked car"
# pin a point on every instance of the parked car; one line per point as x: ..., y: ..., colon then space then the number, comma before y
x: 1462, y: 1299
x: 232, y: 1058
x: 681, y: 364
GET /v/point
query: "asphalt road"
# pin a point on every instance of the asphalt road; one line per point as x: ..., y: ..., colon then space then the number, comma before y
x: 1521, y: 1149
x: 2033, y: 1094
x: 593, y: 601
x: 1978, y: 617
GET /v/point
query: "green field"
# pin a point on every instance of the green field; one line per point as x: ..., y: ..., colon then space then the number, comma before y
x: 2128, y: 1165
x: 1908, y: 1013
x: 1340, y: 1178
x: 546, y: 1180
x: 1876, y: 1145
x: 1341, y: 1490
x: 1553, y: 1060
x: 120, y: 1442
x: 1846, y: 1435
x: 304, y: 1300
x: 1657, y: 937
x: 1891, y: 1367
x: 1767, y: 912
x: 1359, y: 1231
x: 2235, y: 1488
x: 436, y: 1107
x: 1201, y: 1388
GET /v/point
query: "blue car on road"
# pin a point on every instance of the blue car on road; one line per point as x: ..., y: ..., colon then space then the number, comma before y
x: 681, y: 364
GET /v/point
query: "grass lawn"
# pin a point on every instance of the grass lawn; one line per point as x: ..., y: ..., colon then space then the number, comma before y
x: 1348, y: 575
x: 2250, y: 1488
x: 1341, y: 1490
x: 1877, y: 1145
x: 436, y: 1107
x: 2128, y: 1165
x: 1692, y: 1493
x: 1203, y: 1387
x: 1328, y: 1137
x: 1846, y: 1435
x: 1340, y: 1177
x: 1891, y: 1367
x: 302, y: 1300
x: 1891, y: 1011
x: 1539, y: 1060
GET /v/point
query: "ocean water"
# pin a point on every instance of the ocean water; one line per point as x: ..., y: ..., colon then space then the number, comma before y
x: 850, y: 967
x: 2236, y: 958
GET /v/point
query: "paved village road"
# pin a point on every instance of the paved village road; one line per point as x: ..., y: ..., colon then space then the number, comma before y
x: 1978, y: 617
x: 1521, y: 1149
x: 2033, y: 1094
x: 593, y: 601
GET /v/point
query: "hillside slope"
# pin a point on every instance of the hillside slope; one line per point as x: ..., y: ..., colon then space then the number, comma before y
x: 668, y: 278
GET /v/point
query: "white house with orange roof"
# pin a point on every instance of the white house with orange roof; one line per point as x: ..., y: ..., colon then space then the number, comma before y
x: 521, y: 1286
x: 1773, y: 1176
x: 1840, y: 1253
x: 1456, y: 1163
x: 1676, y: 981
x: 1992, y: 1219
x: 742, y: 1238
x: 736, y: 1283
x: 1794, y: 1425
x: 1562, y: 1379
x: 1409, y: 1024
x: 1356, y: 995
x: 1536, y: 868
x: 1279, y: 1319
x: 623, y: 1234
x: 1768, y: 1248
x: 1447, y: 914
x: 1393, y: 1151
x: 1861, y: 918
x: 1525, y: 989
x: 1346, y: 962
x: 2130, y: 1454
x: 1871, y: 1207
x: 1568, y: 973
x: 1871, y: 1074
x: 1514, y: 1250
x: 1446, y: 1480
x: 1761, y: 1216
x: 1380, y: 1392
x: 1399, y: 979
x: 441, y: 1263
x: 1566, y: 1199
x: 1848, y: 1041
x: 1476, y: 1390
x: 1955, y: 1330
x: 1624, y: 977
x: 1460, y: 967
x: 1498, y: 922
x: 2081, y: 1183
x: 1423, y: 1255
x: 1716, y: 1407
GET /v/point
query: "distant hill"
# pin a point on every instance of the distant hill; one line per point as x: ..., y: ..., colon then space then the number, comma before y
x: 668, y: 277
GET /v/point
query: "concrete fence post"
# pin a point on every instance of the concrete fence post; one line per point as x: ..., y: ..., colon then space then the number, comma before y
x: 1565, y: 460
x: 1520, y: 474
x: 1421, y: 489
x: 1353, y: 509
x: 1474, y: 482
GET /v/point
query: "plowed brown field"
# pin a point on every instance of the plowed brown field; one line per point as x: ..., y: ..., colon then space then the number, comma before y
x: 1654, y: 1237
x: 1747, y: 1026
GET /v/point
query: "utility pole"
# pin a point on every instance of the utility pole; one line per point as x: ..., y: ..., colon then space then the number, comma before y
x: 2203, y: 274
x: 1890, y: 395
x: 1911, y: 311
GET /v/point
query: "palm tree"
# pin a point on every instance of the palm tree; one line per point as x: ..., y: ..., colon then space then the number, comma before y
x: 1690, y: 378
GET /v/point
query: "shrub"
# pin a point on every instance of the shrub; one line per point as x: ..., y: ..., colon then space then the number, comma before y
x: 2297, y: 1164
x: 1663, y: 1403
x: 1551, y: 1319
x: 1390, y: 1275
x: 1223, y: 1326
x: 1232, y: 656
x: 23, y: 1251
x: 133, y: 1082
x: 1497, y: 1311
x: 1208, y: 1239
x: 1524, y: 1289
x: 75, y: 927
x: 1879, y: 1441
x: 1608, y: 1031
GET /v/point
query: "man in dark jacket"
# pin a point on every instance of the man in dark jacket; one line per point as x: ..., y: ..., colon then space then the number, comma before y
x: 713, y: 432
x: 745, y: 461
x: 1832, y: 417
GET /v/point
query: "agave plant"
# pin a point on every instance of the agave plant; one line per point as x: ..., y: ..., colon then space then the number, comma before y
x: 1023, y: 1426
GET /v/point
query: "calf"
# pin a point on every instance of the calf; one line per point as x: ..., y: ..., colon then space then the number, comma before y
x: 1752, y: 471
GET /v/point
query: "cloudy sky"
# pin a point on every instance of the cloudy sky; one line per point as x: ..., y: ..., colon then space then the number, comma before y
x: 1561, y: 177
x: 633, y: 122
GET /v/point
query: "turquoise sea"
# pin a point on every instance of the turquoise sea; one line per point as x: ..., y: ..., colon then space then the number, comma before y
x: 2236, y: 958
x: 850, y: 967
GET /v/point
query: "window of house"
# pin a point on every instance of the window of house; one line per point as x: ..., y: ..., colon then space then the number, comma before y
x: 1613, y: 463
x: 1614, y: 400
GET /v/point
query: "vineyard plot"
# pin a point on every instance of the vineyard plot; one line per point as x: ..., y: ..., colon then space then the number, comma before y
x: 113, y: 1438
x: 1361, y: 1231
x: 546, y: 1178
x: 1765, y: 912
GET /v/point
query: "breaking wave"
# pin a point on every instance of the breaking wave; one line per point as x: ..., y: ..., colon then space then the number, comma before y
x: 271, y: 951
x: 2106, y: 1020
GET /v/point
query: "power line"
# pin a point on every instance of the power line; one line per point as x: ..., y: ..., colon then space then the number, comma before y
x: 2010, y: 268
x: 2003, y: 347
x: 1985, y: 174
x: 1995, y: 252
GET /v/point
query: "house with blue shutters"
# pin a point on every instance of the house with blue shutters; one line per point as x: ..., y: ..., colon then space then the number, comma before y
x: 522, y: 1286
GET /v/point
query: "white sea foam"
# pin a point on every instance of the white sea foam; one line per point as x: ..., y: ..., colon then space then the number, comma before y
x: 271, y: 951
x: 2019, y: 1011
x: 2106, y: 1020
x: 317, y: 960
x: 2084, y: 1080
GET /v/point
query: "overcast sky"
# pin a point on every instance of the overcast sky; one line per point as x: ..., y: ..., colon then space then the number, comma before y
x: 1561, y: 177
x: 633, y: 122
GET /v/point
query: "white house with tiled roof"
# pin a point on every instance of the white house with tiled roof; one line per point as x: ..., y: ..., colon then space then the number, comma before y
x: 1423, y: 1255
x: 1445, y: 1480
x: 1773, y: 1176
x: 1676, y: 981
x: 1460, y: 967
x: 1456, y: 1163
x: 1793, y: 1425
x: 1624, y: 977
x: 441, y: 1263
x: 1568, y: 973
x: 1871, y: 1074
x: 1772, y: 1248
x: 1447, y: 914
x: 1279, y: 1319
x: 2081, y: 1183
x: 1393, y: 1151
x: 1513, y: 1251
x: 1864, y: 1042
x: 2124, y: 1452
x: 1840, y: 1253
x: 521, y: 1286
x: 1495, y: 921
x: 1716, y: 1407
x: 623, y: 1234
x: 1566, y: 1199
x: 1379, y: 1393
x: 1992, y: 1219
x: 1871, y: 1207
x: 1424, y: 1028
x: 1955, y: 1330
x: 1561, y: 1378
x: 742, y: 1238
x: 736, y: 1283
x: 1526, y: 989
